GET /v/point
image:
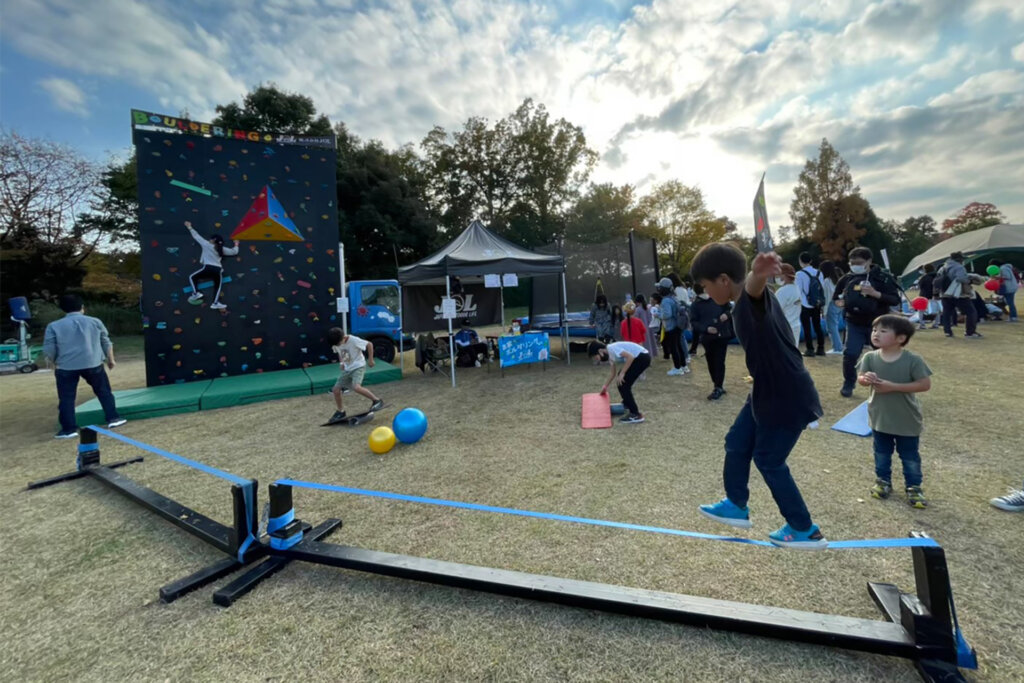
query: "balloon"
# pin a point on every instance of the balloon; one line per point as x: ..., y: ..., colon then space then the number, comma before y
x: 993, y: 271
x: 410, y: 425
x: 992, y: 285
x: 382, y: 440
x: 919, y: 304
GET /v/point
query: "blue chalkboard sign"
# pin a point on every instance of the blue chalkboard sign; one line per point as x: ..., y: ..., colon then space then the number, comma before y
x: 520, y: 349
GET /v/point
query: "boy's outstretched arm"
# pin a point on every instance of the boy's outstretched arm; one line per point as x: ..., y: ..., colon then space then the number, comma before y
x: 765, y: 265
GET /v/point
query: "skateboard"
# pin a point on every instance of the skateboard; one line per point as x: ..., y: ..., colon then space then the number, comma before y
x: 353, y: 420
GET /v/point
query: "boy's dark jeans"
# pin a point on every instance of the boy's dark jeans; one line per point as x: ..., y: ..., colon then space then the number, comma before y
x: 715, y: 351
x: 907, y: 446
x: 857, y: 337
x: 67, y: 389
x: 673, y: 340
x: 768, y: 447
x: 636, y: 368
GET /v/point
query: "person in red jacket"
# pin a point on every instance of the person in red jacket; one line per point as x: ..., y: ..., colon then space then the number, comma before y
x: 632, y: 328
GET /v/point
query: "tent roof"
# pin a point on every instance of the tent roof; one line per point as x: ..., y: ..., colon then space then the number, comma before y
x: 1001, y: 237
x: 477, y: 251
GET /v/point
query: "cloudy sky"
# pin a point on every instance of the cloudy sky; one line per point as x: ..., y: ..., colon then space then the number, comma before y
x: 924, y: 99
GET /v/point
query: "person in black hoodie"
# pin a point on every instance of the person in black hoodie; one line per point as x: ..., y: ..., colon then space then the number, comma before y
x: 864, y: 294
x: 712, y: 326
x: 926, y: 287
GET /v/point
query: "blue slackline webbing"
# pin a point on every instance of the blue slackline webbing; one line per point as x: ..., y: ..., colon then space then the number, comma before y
x: 234, y: 479
x: 246, y: 484
x: 865, y: 543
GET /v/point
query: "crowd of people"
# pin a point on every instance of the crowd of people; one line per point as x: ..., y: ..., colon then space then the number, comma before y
x: 815, y: 304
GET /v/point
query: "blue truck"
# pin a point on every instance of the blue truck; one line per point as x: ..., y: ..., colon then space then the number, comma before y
x: 375, y: 315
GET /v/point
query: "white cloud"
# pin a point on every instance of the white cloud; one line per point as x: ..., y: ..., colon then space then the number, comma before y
x: 1018, y: 52
x: 65, y: 95
x: 1005, y: 82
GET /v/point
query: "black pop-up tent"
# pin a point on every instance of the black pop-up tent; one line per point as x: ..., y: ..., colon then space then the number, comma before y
x: 478, y: 252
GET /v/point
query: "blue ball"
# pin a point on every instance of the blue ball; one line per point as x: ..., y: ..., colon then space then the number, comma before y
x: 410, y: 425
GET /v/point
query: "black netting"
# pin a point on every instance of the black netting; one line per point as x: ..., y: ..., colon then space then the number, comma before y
x: 586, y: 264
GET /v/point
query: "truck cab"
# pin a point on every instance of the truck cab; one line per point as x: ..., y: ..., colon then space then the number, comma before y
x: 374, y: 315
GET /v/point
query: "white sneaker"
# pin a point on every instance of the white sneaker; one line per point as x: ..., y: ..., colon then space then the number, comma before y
x: 117, y: 423
x: 1011, y: 502
x: 685, y: 370
x: 196, y: 297
x: 833, y: 352
x: 217, y: 306
x: 674, y: 372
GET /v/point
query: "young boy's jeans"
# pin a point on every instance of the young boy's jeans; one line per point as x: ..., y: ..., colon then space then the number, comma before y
x: 907, y: 446
x: 768, y: 447
x: 833, y: 314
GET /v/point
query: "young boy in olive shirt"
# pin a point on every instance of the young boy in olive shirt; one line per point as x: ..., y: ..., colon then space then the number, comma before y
x: 895, y: 376
x: 781, y: 404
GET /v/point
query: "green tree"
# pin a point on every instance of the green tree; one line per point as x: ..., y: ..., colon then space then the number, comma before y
x: 266, y: 108
x: 910, y: 238
x: 677, y: 217
x: 520, y: 176
x: 974, y: 216
x: 605, y: 212
x: 381, y: 214
x: 115, y: 212
x: 819, y: 210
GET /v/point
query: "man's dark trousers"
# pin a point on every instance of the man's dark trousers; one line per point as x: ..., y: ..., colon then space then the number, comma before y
x: 67, y: 390
x: 809, y: 317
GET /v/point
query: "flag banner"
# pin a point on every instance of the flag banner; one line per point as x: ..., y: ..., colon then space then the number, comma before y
x: 761, y: 229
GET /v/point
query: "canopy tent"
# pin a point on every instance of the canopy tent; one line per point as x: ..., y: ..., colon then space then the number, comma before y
x: 478, y: 252
x: 974, y: 245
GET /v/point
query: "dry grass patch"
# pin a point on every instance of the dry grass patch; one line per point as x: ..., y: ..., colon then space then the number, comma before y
x: 82, y: 565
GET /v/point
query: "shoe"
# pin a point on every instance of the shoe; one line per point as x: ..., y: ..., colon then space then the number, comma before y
x: 974, y: 336
x: 632, y: 419
x: 727, y: 512
x: 718, y: 393
x: 196, y: 296
x: 846, y: 392
x: 685, y: 370
x: 833, y: 352
x: 378, y: 404
x: 935, y: 327
x: 217, y: 306
x: 881, y: 490
x: 1011, y: 502
x: 949, y: 334
x: 65, y: 435
x: 788, y: 537
x: 819, y: 352
x: 808, y: 354
x: 915, y: 498
x: 338, y: 415
x: 114, y: 424
x: 674, y: 372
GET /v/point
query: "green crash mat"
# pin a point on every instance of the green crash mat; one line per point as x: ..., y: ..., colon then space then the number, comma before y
x: 139, y: 404
x: 323, y: 377
x: 264, y: 386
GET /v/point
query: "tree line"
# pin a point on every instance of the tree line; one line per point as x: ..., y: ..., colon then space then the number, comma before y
x: 68, y: 223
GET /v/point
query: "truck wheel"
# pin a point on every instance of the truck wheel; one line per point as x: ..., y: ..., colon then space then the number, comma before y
x: 25, y: 369
x: 383, y: 349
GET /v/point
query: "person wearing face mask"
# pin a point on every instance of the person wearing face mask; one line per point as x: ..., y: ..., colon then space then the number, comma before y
x: 864, y: 294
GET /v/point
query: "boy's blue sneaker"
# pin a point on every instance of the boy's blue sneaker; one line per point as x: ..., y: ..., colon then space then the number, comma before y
x: 788, y: 537
x: 727, y: 512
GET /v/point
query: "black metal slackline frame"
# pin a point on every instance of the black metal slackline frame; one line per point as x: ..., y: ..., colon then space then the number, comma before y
x: 918, y: 626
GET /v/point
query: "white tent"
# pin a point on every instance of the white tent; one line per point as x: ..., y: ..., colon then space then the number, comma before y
x: 973, y: 245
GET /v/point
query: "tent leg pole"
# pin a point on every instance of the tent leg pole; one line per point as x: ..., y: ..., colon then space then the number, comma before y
x: 451, y: 343
x: 564, y: 322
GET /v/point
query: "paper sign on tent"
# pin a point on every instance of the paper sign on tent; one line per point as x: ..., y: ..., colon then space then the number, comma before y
x: 855, y: 422
x: 267, y: 220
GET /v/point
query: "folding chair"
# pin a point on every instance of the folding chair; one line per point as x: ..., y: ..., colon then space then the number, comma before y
x: 431, y: 354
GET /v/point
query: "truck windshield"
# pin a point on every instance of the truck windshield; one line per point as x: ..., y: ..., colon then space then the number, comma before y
x: 381, y: 295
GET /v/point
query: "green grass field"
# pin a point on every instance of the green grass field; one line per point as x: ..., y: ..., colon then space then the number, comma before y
x: 82, y: 565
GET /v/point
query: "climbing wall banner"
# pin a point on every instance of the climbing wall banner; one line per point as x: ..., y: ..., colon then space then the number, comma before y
x: 239, y: 237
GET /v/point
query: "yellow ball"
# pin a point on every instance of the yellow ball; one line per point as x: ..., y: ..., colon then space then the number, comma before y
x: 382, y: 440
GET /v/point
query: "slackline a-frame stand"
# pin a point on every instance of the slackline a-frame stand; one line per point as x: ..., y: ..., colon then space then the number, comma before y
x: 918, y: 626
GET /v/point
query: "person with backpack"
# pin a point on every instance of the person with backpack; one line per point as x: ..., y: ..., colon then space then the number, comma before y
x: 671, y: 317
x: 957, y: 294
x: 1008, y: 285
x: 864, y: 293
x: 812, y: 299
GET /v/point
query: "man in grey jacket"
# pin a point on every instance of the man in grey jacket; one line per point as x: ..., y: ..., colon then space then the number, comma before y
x: 957, y: 294
x: 79, y: 345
